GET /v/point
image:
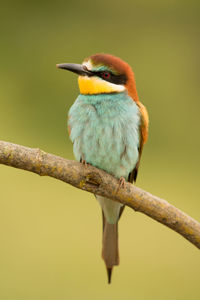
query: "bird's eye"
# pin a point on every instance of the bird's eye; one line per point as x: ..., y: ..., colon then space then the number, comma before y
x: 105, y: 75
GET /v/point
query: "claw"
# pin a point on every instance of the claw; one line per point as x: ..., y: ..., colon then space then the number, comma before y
x: 122, y: 182
x: 83, y: 161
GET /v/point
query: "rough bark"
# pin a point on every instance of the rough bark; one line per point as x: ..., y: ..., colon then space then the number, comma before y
x: 96, y: 181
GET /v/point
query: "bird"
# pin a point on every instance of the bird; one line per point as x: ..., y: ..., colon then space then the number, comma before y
x: 108, y: 127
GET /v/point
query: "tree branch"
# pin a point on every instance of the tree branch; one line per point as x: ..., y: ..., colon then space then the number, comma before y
x: 101, y: 183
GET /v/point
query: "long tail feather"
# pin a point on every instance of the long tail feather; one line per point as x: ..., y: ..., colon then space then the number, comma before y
x: 109, y: 273
x: 110, y: 252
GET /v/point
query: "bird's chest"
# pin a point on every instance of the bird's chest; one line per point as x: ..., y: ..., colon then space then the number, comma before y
x: 106, y: 133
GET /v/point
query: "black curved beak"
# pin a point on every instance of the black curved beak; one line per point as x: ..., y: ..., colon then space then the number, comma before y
x: 75, y: 68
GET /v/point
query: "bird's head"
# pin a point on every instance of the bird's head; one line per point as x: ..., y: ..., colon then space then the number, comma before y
x: 104, y: 74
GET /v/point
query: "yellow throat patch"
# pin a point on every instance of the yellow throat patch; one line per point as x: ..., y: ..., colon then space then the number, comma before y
x: 95, y: 85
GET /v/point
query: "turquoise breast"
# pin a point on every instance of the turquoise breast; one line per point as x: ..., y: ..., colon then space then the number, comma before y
x: 105, y: 131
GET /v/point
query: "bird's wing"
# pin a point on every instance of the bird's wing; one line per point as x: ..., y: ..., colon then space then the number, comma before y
x: 143, y: 138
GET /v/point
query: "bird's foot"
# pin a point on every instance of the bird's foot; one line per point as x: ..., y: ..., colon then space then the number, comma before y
x: 84, y: 162
x: 122, y: 182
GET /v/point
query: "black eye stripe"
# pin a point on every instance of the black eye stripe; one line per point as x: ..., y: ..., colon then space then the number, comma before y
x: 116, y: 79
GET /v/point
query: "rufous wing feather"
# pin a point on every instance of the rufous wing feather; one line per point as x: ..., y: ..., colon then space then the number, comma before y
x: 144, y: 124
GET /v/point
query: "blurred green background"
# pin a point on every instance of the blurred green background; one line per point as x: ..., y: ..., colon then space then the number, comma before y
x: 50, y: 232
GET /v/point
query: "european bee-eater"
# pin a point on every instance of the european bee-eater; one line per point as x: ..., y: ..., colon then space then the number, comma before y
x: 108, y: 126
